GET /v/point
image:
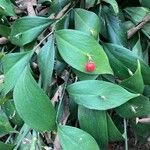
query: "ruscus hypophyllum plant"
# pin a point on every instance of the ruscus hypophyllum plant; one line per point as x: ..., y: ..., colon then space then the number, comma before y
x: 74, y: 74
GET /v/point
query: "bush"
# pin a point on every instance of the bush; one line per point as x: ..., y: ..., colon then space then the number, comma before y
x: 74, y: 74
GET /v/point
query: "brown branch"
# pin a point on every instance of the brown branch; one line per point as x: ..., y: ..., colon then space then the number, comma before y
x: 30, y: 9
x: 136, y: 28
x: 57, y: 145
x: 28, y: 5
x: 42, y: 12
x: 66, y: 112
x: 56, y: 96
x: 19, y: 10
x: 3, y: 40
x: 144, y: 120
x: 62, y: 12
x: 47, y: 137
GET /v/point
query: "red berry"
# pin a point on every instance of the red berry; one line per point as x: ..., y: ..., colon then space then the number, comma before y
x: 90, y: 66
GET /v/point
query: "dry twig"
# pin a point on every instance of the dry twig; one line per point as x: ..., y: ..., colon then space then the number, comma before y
x: 144, y: 120
x: 62, y: 12
x: 30, y: 9
x: 28, y: 5
x: 57, y: 145
x: 3, y: 40
x: 136, y: 28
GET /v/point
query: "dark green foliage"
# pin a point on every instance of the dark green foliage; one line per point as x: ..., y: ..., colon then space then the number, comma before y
x: 44, y: 104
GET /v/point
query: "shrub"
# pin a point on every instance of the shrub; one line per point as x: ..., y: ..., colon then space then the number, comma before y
x: 74, y: 74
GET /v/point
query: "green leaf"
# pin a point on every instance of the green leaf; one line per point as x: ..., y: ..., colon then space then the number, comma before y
x: 10, y: 59
x: 128, y: 24
x: 4, y: 30
x: 32, y: 104
x: 14, y: 65
x: 145, y: 3
x: 6, y: 146
x: 141, y: 131
x: 136, y: 107
x: 115, y: 28
x: 135, y: 82
x: 28, y: 47
x: 75, y: 46
x: 94, y: 122
x: 114, y: 5
x: 57, y: 5
x: 137, y: 49
x: 5, y: 126
x: 84, y: 76
x: 12, y: 114
x: 99, y: 95
x: 136, y: 14
x: 59, y: 66
x: 63, y: 23
x: 122, y: 59
x: 100, y: 125
x: 113, y: 133
x: 6, y: 8
x: 91, y: 3
x: 46, y: 62
x: 146, y: 91
x: 27, y: 29
x: 3, y: 99
x: 87, y: 21
x: 74, y: 138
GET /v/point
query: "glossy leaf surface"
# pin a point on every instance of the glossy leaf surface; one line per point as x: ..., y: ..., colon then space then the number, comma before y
x: 99, y: 95
x: 32, y: 104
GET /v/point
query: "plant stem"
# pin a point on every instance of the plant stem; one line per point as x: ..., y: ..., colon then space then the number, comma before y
x: 134, y: 29
x: 8, y: 139
x: 23, y: 132
x: 125, y: 133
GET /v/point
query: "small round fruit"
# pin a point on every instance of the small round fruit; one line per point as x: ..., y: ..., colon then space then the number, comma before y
x: 90, y: 66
